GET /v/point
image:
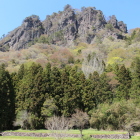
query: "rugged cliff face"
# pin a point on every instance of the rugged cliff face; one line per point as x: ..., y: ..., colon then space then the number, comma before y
x: 61, y: 26
x: 119, y: 25
x: 64, y: 28
x: 89, y: 22
x: 30, y: 29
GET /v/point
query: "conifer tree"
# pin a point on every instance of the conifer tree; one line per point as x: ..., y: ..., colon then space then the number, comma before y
x: 95, y: 79
x: 65, y: 87
x: 55, y: 88
x: 88, y: 97
x: 104, y: 90
x: 30, y: 95
x: 7, y: 107
x: 47, y: 78
x: 21, y: 72
x: 135, y: 85
x: 72, y: 93
x: 124, y: 85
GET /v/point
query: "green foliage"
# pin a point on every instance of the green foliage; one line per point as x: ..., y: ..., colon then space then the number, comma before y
x: 45, y: 92
x: 98, y: 39
x: 30, y: 91
x: 111, y: 38
x: 109, y: 27
x: 109, y: 68
x: 7, y: 99
x: 114, y: 116
x: 71, y: 59
x: 124, y: 85
x: 59, y: 36
x: 49, y: 108
x: 43, y: 39
x: 134, y: 37
x: 135, y: 88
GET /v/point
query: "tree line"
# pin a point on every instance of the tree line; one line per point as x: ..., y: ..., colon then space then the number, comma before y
x: 32, y: 94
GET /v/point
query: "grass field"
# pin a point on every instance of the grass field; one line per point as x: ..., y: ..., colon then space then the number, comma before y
x: 85, y: 132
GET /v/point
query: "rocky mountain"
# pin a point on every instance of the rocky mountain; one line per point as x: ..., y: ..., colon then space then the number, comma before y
x: 65, y: 28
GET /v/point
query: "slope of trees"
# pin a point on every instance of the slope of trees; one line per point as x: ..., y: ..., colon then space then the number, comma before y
x: 38, y: 93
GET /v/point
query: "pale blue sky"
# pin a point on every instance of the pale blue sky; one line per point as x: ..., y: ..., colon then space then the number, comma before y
x: 13, y: 12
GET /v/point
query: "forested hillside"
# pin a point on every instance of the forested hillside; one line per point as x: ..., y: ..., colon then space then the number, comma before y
x: 112, y: 98
x: 72, y: 60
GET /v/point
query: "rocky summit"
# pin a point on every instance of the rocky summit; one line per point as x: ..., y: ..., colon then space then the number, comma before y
x: 65, y: 28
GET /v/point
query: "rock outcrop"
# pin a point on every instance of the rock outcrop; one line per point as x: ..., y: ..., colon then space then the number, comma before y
x: 89, y: 21
x: 63, y: 28
x: 119, y: 25
x: 30, y: 29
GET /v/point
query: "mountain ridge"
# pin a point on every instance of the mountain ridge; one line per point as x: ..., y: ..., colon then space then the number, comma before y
x: 65, y: 28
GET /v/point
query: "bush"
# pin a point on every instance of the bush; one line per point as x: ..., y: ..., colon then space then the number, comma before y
x: 119, y: 115
x: 109, y: 27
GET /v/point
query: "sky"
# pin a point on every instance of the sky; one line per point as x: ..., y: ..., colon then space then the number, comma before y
x: 13, y: 12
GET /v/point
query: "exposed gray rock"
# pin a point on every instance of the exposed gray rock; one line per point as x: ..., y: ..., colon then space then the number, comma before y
x: 119, y: 25
x: 89, y: 21
x: 64, y: 22
x: 122, y: 26
x: 19, y: 38
x: 112, y: 136
x: 30, y: 134
x: 63, y: 28
x: 113, y: 21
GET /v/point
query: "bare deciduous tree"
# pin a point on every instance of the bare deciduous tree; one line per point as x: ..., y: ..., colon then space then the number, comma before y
x: 79, y: 120
x: 58, y: 126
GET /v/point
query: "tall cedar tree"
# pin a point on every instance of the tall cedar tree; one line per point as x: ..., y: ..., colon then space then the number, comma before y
x: 95, y: 79
x: 30, y: 95
x: 7, y: 107
x: 21, y: 72
x: 104, y: 90
x: 65, y: 84
x: 124, y: 85
x: 88, y: 97
x: 135, y: 85
x: 73, y: 96
x: 56, y: 89
x: 47, y: 80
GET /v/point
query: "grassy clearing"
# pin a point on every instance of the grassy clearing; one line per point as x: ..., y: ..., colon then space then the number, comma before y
x: 85, y: 132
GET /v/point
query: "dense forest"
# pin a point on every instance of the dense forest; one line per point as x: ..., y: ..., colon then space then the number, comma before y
x: 34, y: 93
